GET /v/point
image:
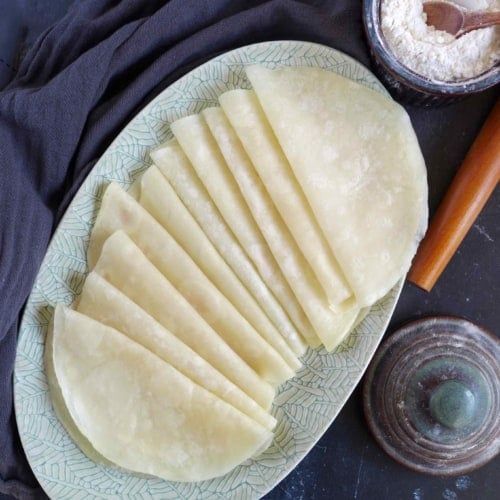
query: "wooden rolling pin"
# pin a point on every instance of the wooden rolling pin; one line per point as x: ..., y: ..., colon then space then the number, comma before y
x: 470, y: 190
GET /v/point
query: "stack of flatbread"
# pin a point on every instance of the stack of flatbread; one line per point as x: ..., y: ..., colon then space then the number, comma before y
x: 268, y: 224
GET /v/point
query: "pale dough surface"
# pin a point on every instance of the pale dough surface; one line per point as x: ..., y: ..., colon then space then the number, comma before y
x: 141, y: 413
x: 246, y: 116
x: 59, y: 405
x: 124, y: 265
x: 105, y: 303
x: 175, y: 166
x: 281, y: 243
x: 195, y: 139
x: 159, y: 198
x: 286, y: 254
x: 357, y: 159
x: 119, y: 211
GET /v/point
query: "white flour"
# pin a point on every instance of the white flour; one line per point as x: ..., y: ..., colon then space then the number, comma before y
x: 435, y: 54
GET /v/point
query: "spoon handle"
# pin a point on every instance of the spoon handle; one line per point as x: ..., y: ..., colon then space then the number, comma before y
x: 480, y: 19
x: 470, y: 190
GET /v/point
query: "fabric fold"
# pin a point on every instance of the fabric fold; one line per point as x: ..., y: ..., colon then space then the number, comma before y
x: 78, y: 86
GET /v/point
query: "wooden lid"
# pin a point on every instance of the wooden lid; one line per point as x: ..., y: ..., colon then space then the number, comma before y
x: 432, y: 396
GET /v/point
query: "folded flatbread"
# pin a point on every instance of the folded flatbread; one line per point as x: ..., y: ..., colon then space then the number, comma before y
x: 161, y: 201
x: 329, y: 326
x: 248, y: 120
x: 122, y: 264
x: 175, y: 166
x: 141, y: 413
x: 358, y: 162
x: 105, y: 303
x: 121, y: 212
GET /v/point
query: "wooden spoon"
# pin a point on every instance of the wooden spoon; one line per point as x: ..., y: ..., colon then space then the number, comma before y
x: 456, y: 21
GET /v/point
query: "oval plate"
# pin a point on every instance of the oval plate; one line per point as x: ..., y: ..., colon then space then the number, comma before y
x: 304, y: 406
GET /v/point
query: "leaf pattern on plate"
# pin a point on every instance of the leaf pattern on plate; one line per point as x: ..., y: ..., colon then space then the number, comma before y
x: 305, y: 406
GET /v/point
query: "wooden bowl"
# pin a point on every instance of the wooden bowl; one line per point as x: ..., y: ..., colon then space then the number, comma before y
x: 406, y: 85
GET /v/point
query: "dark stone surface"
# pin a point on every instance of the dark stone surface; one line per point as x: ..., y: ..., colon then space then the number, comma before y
x: 346, y: 462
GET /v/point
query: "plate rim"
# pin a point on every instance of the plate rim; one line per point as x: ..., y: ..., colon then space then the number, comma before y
x: 396, y: 290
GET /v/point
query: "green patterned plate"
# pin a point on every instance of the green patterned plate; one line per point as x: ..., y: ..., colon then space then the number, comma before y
x: 305, y: 406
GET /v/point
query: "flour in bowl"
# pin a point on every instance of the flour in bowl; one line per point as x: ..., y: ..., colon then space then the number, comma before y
x: 435, y: 54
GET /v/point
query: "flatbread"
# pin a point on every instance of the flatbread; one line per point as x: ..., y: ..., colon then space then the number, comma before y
x: 199, y: 146
x: 120, y: 211
x: 103, y: 302
x: 363, y: 313
x: 249, y: 187
x: 357, y: 159
x: 330, y: 327
x: 195, y: 139
x: 59, y: 405
x: 124, y: 265
x: 160, y: 199
x: 248, y: 120
x: 175, y: 166
x: 141, y: 413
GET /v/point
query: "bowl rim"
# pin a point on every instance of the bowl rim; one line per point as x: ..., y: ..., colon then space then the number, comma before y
x: 417, y: 82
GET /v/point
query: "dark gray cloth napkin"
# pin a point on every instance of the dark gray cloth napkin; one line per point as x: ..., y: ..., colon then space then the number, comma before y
x: 78, y: 85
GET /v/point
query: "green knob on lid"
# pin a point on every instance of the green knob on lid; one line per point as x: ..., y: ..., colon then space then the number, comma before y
x: 452, y: 404
x: 432, y: 396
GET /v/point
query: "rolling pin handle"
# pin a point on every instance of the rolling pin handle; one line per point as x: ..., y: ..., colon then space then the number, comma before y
x: 470, y: 190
